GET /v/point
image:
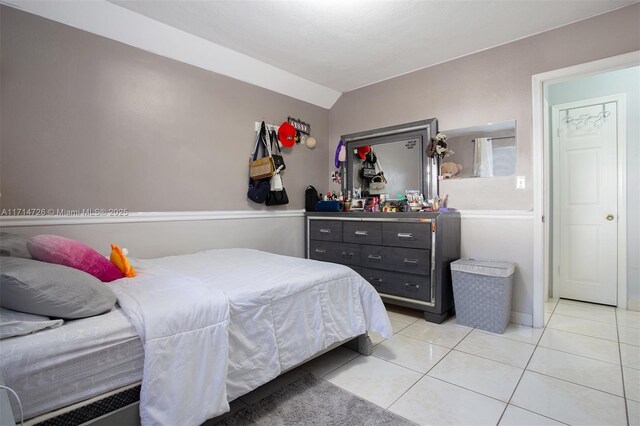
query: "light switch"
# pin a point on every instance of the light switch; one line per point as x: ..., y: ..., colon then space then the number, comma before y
x: 520, y: 182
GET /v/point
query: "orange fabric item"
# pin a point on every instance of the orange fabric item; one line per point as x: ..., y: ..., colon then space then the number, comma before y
x: 119, y: 258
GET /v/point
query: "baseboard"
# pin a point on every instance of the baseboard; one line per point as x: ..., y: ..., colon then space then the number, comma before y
x: 633, y: 305
x: 522, y: 318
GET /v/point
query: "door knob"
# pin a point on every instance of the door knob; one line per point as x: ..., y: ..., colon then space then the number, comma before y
x: 609, y: 217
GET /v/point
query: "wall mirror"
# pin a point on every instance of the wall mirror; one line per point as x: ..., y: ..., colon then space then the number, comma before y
x: 399, y: 153
x: 483, y: 151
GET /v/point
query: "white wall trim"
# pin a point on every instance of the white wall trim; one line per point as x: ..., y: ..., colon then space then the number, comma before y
x: 540, y: 152
x: 137, y: 217
x: 497, y: 214
x: 117, y: 23
x: 521, y: 318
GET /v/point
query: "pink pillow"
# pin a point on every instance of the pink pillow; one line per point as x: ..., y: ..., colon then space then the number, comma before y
x: 72, y: 253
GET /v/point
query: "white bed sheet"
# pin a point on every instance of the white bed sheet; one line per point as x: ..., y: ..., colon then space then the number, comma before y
x: 77, y: 361
x: 283, y: 310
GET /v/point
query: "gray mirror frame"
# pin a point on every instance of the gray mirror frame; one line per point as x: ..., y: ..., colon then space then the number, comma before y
x: 424, y: 130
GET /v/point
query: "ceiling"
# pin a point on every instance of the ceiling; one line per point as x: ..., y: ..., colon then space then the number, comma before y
x: 315, y: 50
x: 347, y: 44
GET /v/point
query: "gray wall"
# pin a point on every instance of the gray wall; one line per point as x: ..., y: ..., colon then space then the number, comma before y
x: 489, y: 86
x: 621, y: 81
x: 88, y: 122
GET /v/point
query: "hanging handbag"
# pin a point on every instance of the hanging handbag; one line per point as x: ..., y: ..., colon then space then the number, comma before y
x: 278, y: 159
x: 276, y: 181
x: 261, y: 168
x: 275, y: 198
x: 368, y: 170
x: 258, y: 191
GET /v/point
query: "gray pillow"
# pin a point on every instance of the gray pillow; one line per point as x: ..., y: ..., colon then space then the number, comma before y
x: 14, y: 323
x: 52, y: 290
x: 14, y: 245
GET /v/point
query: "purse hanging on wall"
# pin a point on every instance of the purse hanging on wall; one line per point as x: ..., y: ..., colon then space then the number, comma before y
x: 275, y: 198
x: 261, y: 168
x: 278, y: 159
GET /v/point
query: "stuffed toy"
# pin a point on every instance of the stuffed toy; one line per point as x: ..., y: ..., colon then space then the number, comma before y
x: 449, y: 170
x: 119, y: 258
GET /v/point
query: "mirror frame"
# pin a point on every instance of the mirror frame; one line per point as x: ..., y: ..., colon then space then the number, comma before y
x: 423, y: 130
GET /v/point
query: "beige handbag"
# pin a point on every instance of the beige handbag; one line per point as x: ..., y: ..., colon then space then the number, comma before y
x: 261, y: 168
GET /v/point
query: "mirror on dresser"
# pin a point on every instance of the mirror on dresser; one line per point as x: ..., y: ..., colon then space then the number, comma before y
x: 399, y: 152
x: 483, y: 151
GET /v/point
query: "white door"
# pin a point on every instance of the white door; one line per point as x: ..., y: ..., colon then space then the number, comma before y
x: 585, y: 201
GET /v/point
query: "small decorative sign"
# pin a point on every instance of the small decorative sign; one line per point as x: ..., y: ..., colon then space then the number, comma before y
x: 300, y: 125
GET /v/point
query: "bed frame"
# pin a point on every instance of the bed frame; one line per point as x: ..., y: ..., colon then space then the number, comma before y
x: 121, y: 406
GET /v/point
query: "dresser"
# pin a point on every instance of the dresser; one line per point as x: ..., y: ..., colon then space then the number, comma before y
x: 405, y: 256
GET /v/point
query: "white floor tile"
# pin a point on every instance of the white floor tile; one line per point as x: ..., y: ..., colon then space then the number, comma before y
x: 482, y: 375
x: 631, y: 383
x: 628, y: 318
x: 374, y: 379
x: 440, y: 334
x: 633, y: 408
x: 550, y: 305
x: 433, y: 402
x: 592, y: 347
x: 629, y: 335
x: 521, y: 333
x: 547, y: 317
x: 587, y: 312
x: 516, y: 416
x: 398, y: 324
x: 577, y: 369
x: 376, y: 338
x: 630, y: 355
x: 412, y: 353
x: 330, y: 361
x: 568, y: 402
x: 496, y: 348
x: 584, y: 326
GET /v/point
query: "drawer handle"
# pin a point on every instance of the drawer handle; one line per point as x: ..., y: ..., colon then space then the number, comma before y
x: 411, y: 261
x: 373, y: 257
x: 361, y: 233
x: 379, y: 280
x: 323, y: 251
x: 325, y: 231
x: 347, y: 254
x: 416, y: 286
x: 405, y: 235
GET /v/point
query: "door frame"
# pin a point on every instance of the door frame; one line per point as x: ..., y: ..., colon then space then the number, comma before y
x: 540, y: 150
x: 621, y: 173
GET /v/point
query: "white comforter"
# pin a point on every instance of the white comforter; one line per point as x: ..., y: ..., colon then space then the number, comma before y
x: 282, y: 310
x: 183, y: 324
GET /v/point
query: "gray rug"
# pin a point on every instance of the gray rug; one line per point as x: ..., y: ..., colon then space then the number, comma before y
x: 311, y: 401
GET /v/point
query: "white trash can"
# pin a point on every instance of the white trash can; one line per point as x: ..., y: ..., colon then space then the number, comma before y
x: 482, y: 292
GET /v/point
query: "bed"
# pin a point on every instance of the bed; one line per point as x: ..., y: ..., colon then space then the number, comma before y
x: 191, y: 333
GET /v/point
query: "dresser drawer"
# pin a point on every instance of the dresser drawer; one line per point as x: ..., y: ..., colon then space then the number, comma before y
x: 398, y: 284
x: 325, y: 230
x: 412, y: 261
x: 362, y: 232
x: 411, y: 235
x: 347, y: 254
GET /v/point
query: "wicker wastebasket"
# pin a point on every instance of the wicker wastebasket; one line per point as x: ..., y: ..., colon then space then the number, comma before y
x: 482, y: 293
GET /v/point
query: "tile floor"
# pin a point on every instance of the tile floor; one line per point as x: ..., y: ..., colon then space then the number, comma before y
x: 583, y: 368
